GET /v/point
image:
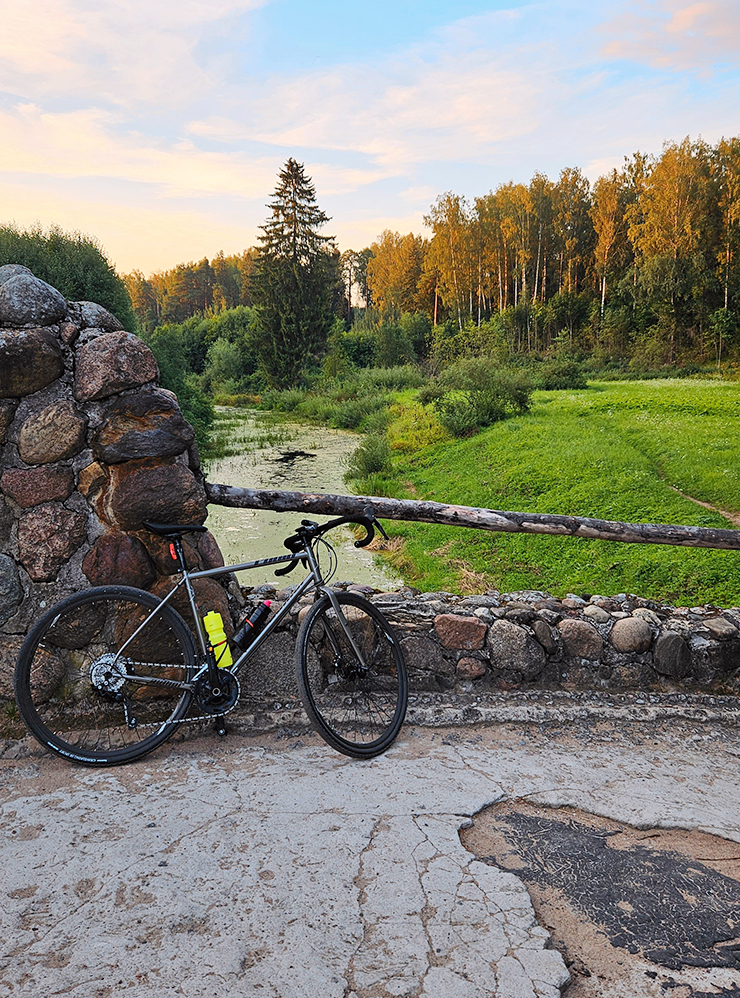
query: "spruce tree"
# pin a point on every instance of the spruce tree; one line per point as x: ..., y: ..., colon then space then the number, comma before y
x: 295, y: 285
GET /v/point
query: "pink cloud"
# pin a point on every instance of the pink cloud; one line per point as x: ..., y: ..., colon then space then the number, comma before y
x: 673, y: 34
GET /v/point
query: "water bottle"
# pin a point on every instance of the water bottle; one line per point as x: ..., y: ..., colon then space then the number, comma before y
x: 252, y: 626
x: 214, y: 625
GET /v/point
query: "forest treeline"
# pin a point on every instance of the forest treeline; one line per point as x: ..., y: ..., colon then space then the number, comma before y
x: 640, y: 266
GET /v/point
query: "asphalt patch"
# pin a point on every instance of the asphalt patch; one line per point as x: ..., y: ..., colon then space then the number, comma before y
x: 622, y: 901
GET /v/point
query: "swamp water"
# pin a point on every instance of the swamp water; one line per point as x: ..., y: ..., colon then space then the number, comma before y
x: 260, y: 453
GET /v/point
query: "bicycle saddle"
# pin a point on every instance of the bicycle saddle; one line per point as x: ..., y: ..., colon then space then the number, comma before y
x: 174, y: 529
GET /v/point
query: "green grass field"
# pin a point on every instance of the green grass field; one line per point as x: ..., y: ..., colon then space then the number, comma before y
x: 611, y: 451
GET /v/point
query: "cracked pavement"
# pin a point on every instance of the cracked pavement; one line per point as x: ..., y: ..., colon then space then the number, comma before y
x: 273, y: 867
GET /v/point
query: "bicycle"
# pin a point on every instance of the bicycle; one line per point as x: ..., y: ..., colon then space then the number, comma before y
x: 108, y: 674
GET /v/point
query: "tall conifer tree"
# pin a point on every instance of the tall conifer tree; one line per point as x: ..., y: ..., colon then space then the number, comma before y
x: 296, y: 282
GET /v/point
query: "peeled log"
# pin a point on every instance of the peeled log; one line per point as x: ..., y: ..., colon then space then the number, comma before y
x: 471, y: 516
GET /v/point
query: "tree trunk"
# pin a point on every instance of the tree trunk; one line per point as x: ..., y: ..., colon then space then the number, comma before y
x: 470, y: 516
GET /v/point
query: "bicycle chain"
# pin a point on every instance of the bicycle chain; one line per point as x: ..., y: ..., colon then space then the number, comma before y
x: 180, y: 720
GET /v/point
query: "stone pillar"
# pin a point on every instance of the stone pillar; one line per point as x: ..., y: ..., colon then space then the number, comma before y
x: 90, y: 447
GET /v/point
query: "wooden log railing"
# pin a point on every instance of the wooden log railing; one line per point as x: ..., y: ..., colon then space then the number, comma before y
x: 470, y: 516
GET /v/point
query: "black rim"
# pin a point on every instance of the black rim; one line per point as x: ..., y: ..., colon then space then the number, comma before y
x: 357, y: 709
x: 70, y: 679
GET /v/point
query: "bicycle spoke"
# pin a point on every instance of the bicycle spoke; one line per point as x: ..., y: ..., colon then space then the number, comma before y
x: 101, y: 677
x: 357, y: 706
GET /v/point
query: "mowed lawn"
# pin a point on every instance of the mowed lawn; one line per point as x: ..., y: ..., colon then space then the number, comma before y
x: 611, y: 451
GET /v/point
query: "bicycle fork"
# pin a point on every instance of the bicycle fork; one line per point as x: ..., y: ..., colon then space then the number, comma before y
x: 337, y: 610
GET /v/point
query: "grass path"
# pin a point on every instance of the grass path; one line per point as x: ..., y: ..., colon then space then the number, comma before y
x: 733, y: 518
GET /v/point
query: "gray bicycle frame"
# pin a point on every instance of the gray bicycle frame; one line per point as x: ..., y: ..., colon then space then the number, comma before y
x: 313, y: 579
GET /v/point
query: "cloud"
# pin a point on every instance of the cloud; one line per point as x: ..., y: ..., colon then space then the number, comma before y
x: 673, y: 34
x: 150, y: 101
x: 394, y: 115
x: 87, y: 143
x: 135, y: 234
x: 125, y: 52
x: 358, y: 231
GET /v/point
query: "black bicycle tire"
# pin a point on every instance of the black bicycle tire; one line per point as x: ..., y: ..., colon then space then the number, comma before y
x: 22, y: 679
x: 379, y: 745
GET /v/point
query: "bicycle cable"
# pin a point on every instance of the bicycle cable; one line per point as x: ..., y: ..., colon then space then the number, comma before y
x: 333, y: 560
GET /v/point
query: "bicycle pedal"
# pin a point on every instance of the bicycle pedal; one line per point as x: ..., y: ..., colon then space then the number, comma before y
x: 220, y: 729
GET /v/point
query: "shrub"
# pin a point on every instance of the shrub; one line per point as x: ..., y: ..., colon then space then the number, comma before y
x: 349, y: 415
x: 392, y: 378
x: 372, y: 457
x: 393, y: 346
x: 72, y: 263
x: 477, y: 392
x: 557, y: 374
x: 287, y: 400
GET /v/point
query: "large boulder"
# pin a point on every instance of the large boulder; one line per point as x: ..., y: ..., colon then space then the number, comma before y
x: 52, y: 434
x: 672, y: 656
x: 514, y: 649
x: 146, y: 423
x: 456, y: 631
x: 9, y: 270
x: 25, y: 299
x: 47, y: 672
x: 95, y: 316
x: 11, y: 592
x: 149, y: 490
x: 33, y: 486
x: 118, y: 558
x: 209, y: 595
x: 30, y: 359
x: 6, y: 520
x: 7, y: 411
x: 580, y: 639
x: 48, y: 536
x: 631, y: 634
x: 112, y: 363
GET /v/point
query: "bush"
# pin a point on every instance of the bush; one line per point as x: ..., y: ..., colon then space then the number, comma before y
x: 557, y: 374
x: 393, y: 346
x: 392, y: 379
x: 372, y: 457
x: 474, y: 393
x: 287, y: 400
x: 72, y: 263
x: 196, y: 406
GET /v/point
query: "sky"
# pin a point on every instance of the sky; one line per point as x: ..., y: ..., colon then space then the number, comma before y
x: 159, y: 126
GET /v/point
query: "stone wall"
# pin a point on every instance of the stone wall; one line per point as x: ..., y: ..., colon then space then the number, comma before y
x: 532, y: 641
x: 89, y: 447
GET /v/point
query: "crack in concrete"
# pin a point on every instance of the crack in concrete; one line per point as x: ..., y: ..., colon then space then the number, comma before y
x: 360, y: 883
x: 428, y: 910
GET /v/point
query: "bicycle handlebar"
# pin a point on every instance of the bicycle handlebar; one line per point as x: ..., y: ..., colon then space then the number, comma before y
x: 309, y: 530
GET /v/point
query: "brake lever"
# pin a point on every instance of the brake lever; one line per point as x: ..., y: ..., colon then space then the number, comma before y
x: 379, y: 525
x: 370, y: 515
x: 292, y: 543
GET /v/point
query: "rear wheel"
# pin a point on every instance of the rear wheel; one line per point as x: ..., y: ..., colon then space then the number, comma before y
x: 352, y: 676
x: 99, y: 679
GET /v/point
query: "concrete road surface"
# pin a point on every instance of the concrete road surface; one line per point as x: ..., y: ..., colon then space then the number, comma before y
x: 272, y: 867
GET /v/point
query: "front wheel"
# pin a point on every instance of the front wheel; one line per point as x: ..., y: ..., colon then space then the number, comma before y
x: 102, y: 677
x: 351, y: 675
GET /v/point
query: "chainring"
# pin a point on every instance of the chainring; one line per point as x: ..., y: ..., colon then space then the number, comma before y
x: 213, y: 703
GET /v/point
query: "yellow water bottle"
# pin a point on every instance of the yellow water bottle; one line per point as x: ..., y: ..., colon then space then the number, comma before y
x: 217, y: 636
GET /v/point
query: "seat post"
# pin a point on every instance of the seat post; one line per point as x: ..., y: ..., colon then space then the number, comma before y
x: 179, y: 551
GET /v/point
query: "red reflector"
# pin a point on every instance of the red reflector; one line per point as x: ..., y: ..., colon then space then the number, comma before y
x: 172, y: 552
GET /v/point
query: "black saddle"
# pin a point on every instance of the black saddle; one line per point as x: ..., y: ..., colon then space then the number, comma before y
x: 174, y: 529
